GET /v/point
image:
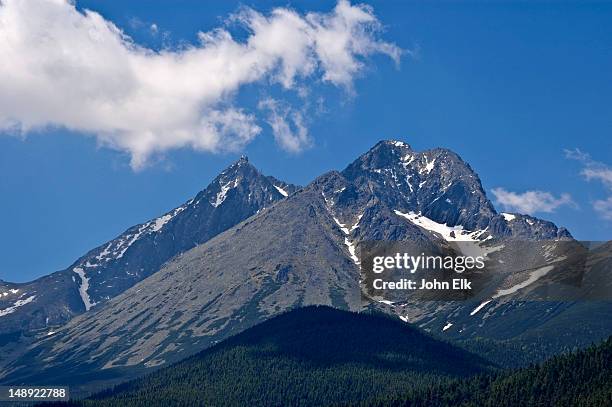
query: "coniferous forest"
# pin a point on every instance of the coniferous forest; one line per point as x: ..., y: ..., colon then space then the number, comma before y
x: 583, y: 378
x: 318, y: 356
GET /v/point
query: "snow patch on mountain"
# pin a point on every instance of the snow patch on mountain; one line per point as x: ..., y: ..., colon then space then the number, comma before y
x: 430, y: 165
x: 469, y: 243
x: 221, y: 195
x: 158, y: 224
x: 328, y: 202
x: 356, y: 225
x: 533, y: 277
x: 349, y: 244
x: 409, y: 184
x: 281, y: 191
x: 342, y: 227
x: 352, y: 250
x: 11, y: 291
x: 83, y: 287
x: 115, y: 249
x: 347, y: 231
x: 481, y: 306
x: 132, y: 238
x: 104, y: 253
x: 407, y: 159
x: 508, y: 216
x: 17, y: 304
x: 448, y: 233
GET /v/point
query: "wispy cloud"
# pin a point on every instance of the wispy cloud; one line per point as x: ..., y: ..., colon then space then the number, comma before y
x: 287, y: 125
x: 530, y: 202
x: 604, y: 207
x: 598, y: 171
x: 592, y: 170
x: 63, y: 67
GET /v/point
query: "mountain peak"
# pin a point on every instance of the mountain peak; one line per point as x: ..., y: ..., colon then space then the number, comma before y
x: 242, y: 161
x: 239, y: 168
x: 435, y: 182
x: 392, y: 143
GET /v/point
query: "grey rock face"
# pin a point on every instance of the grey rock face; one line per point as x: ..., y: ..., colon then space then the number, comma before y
x: 437, y: 184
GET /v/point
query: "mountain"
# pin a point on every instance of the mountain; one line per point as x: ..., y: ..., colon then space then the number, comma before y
x: 43, y: 305
x: 284, y: 257
x: 309, y: 356
x: 583, y: 378
x: 435, y: 183
x: 439, y: 201
x: 302, y: 251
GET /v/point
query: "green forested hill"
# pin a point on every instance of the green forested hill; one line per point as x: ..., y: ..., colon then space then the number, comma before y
x: 318, y: 356
x: 309, y: 356
x: 583, y: 378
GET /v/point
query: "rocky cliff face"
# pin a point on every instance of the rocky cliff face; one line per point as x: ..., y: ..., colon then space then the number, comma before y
x: 437, y: 184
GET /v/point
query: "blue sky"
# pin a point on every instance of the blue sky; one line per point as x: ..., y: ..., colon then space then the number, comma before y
x: 508, y: 86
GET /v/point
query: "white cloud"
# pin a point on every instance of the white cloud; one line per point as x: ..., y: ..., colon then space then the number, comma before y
x: 530, y: 202
x: 604, y: 207
x: 594, y: 170
x: 287, y: 125
x: 62, y: 67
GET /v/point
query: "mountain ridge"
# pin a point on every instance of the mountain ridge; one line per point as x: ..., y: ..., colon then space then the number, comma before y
x: 300, y: 251
x: 42, y: 305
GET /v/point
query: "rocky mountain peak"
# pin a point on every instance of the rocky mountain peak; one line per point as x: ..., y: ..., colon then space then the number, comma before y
x: 436, y: 183
x: 237, y: 193
x: 243, y: 182
x: 240, y: 166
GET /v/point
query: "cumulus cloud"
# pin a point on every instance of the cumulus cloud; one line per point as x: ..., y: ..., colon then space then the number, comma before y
x: 63, y: 67
x: 530, y: 202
